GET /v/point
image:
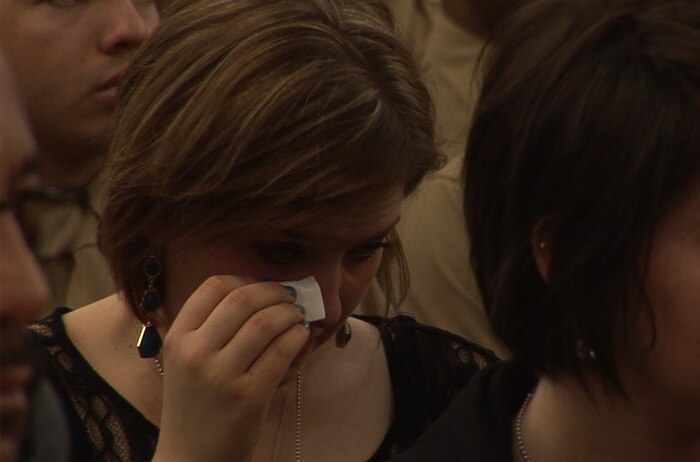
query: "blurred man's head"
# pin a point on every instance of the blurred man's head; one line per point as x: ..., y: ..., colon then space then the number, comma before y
x: 23, y: 292
x: 68, y: 57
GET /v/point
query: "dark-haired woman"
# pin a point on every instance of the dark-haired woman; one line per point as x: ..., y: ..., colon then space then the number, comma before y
x: 583, y: 206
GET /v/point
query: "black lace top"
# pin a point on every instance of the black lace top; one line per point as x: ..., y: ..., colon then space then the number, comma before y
x: 428, y: 369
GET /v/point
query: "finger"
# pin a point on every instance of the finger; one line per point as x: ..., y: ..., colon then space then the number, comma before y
x: 256, y: 335
x: 204, y: 300
x: 270, y: 368
x: 238, y: 306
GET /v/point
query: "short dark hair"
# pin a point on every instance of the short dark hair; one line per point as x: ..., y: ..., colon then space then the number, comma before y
x: 586, y: 134
x: 491, y: 13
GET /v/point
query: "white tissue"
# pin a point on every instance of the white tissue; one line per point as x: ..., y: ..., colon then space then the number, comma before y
x: 309, y: 295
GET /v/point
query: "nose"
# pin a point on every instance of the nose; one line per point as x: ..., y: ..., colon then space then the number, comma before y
x: 23, y: 290
x: 127, y: 25
x: 330, y: 282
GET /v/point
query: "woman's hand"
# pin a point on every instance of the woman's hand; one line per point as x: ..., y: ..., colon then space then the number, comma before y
x: 225, y: 355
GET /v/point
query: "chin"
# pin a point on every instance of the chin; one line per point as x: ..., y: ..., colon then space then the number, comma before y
x: 14, y: 419
x: 8, y: 449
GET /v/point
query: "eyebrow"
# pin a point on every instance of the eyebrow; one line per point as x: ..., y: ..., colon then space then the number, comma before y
x: 386, y: 230
x: 304, y: 238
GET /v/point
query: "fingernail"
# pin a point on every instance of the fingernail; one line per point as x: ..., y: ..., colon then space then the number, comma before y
x: 300, y: 308
x: 304, y: 323
x: 291, y: 290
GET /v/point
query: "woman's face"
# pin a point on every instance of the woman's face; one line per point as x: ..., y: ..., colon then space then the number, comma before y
x: 343, y: 254
x: 669, y: 374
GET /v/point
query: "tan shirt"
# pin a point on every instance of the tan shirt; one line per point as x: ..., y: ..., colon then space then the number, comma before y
x: 67, y: 251
x: 443, y: 291
x: 448, y: 55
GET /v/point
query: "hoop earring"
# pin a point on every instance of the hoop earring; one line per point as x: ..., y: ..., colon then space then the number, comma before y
x: 343, y: 336
x: 149, y: 341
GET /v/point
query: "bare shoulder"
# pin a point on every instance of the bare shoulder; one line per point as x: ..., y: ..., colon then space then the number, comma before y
x: 95, y: 328
x: 93, y: 309
x: 350, y: 389
x: 105, y: 333
x: 366, y: 337
x: 362, y: 359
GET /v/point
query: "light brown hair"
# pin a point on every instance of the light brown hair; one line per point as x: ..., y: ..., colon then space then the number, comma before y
x: 243, y: 115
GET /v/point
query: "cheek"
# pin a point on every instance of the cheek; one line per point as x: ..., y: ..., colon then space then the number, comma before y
x: 669, y: 369
x: 150, y: 16
x: 367, y: 270
x: 23, y: 290
x: 359, y: 276
x: 673, y: 286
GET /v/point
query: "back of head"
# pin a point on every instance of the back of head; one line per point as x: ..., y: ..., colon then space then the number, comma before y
x: 490, y: 13
x: 251, y: 115
x: 585, y: 136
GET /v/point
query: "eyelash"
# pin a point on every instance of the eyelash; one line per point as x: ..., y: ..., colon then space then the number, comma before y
x: 370, y: 250
x: 279, y: 254
x: 62, y: 3
x: 285, y: 254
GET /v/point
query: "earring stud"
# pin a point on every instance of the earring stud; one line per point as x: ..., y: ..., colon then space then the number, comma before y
x: 343, y: 336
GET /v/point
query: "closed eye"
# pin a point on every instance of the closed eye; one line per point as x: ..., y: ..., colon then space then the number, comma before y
x: 63, y: 3
x: 369, y: 250
x: 280, y: 254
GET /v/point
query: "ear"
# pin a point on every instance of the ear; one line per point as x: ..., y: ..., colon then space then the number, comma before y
x: 541, y: 250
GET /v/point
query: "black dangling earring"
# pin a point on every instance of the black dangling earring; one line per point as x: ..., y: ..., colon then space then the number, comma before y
x: 149, y: 342
x: 343, y: 336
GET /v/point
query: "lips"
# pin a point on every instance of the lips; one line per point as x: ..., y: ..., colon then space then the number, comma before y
x: 14, y: 402
x: 112, y: 81
x: 15, y: 359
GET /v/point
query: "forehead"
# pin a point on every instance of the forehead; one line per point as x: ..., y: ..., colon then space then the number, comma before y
x: 376, y: 216
x: 338, y: 226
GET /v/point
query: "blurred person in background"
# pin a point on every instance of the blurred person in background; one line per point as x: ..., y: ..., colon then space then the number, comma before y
x: 258, y: 142
x: 69, y: 57
x: 447, y: 37
x: 32, y: 425
x: 582, y: 197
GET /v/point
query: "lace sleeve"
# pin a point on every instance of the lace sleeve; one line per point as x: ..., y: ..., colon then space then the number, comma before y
x: 103, y: 425
x: 428, y: 368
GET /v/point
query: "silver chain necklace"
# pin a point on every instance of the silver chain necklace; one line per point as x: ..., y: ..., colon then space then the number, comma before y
x: 297, y: 435
x: 520, y: 441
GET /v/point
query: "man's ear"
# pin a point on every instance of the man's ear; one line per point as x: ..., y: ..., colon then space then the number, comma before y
x: 541, y: 250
